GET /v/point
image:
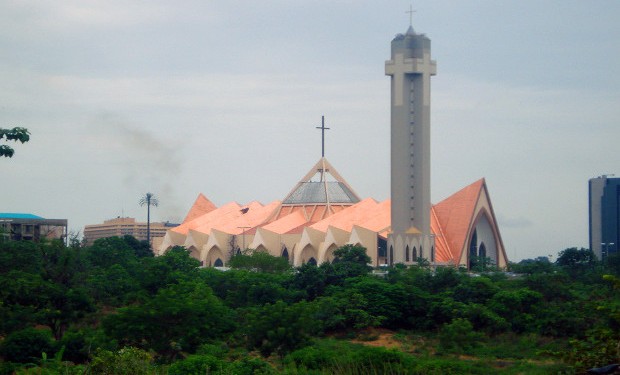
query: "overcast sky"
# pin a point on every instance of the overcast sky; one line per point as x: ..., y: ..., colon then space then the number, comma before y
x: 223, y: 97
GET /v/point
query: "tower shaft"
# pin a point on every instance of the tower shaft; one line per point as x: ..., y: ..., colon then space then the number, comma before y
x: 410, y: 69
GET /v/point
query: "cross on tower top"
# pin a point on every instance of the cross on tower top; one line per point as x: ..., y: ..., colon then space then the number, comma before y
x: 323, y: 128
x: 410, y: 11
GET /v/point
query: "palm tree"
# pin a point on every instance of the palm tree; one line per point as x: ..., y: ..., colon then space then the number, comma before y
x: 149, y: 200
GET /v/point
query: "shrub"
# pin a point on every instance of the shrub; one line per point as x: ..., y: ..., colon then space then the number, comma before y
x: 127, y: 361
x: 26, y: 345
x: 251, y: 366
x: 459, y: 335
x: 329, y: 356
x: 196, y: 365
x: 79, y: 345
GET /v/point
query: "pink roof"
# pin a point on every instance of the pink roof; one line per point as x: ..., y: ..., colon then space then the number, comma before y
x: 452, y: 218
x: 287, y: 223
x: 255, y: 215
x: 353, y: 215
x: 209, y: 218
x: 201, y: 206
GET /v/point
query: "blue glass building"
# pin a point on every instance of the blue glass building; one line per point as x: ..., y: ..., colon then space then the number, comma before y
x: 604, y: 208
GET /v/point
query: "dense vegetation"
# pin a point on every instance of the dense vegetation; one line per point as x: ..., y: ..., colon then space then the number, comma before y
x: 113, y: 308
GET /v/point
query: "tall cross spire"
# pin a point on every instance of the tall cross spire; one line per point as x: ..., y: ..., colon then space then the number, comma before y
x: 410, y: 11
x: 323, y: 128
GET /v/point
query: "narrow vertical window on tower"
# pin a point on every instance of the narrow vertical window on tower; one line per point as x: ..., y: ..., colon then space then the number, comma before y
x: 410, y: 68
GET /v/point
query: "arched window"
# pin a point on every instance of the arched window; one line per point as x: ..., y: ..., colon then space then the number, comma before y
x: 285, y: 253
x: 415, y: 254
x: 473, y: 250
x: 473, y: 245
x: 391, y: 257
x: 218, y: 263
x: 312, y: 261
x: 482, y: 250
x: 407, y: 253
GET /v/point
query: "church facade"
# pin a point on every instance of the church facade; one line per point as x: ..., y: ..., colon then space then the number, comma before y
x: 319, y: 216
x: 323, y: 213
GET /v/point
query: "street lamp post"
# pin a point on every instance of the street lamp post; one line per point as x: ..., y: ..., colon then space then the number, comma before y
x: 243, y: 235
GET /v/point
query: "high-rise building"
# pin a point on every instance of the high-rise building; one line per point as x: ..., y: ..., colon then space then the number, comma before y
x: 410, y: 69
x: 604, y: 209
x: 123, y: 226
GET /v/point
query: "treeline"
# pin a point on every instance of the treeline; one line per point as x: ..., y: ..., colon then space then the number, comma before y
x: 114, y: 308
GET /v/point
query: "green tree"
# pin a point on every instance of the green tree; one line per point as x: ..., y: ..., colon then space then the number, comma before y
x: 280, y: 327
x: 259, y: 261
x: 532, y: 266
x: 459, y: 335
x: 481, y: 264
x: 128, y: 361
x: 386, y: 302
x: 197, y: 364
x: 20, y: 256
x: 178, y: 319
x: 345, y: 310
x: 175, y: 266
x: 26, y: 345
x: 351, y: 261
x: 518, y: 307
x: 140, y: 248
x: 310, y: 280
x: 576, y: 259
x: 475, y: 290
x: 16, y: 134
x: 148, y: 200
x: 106, y: 252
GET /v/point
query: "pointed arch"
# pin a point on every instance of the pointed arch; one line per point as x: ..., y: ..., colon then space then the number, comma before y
x: 407, y: 253
x: 329, y: 253
x: 213, y: 254
x: 285, y: 253
x: 482, y: 250
x: 414, y: 254
x: 194, y: 252
x: 218, y: 263
x: 307, y: 253
x: 487, y: 234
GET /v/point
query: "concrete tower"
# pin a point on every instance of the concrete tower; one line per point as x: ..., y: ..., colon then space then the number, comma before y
x: 410, y: 69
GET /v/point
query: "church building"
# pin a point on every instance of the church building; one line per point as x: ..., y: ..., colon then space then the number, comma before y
x: 322, y: 212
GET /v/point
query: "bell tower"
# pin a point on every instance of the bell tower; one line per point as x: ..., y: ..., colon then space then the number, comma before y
x: 410, y: 69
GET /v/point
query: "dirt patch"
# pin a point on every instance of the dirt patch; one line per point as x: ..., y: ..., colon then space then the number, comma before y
x: 378, y: 337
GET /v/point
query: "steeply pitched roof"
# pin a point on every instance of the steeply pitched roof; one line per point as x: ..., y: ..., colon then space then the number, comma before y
x: 454, y: 216
x: 321, y: 185
x: 354, y: 215
x: 201, y: 206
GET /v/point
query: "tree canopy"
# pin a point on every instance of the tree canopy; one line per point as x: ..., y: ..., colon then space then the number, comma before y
x: 112, y: 307
x: 16, y: 134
